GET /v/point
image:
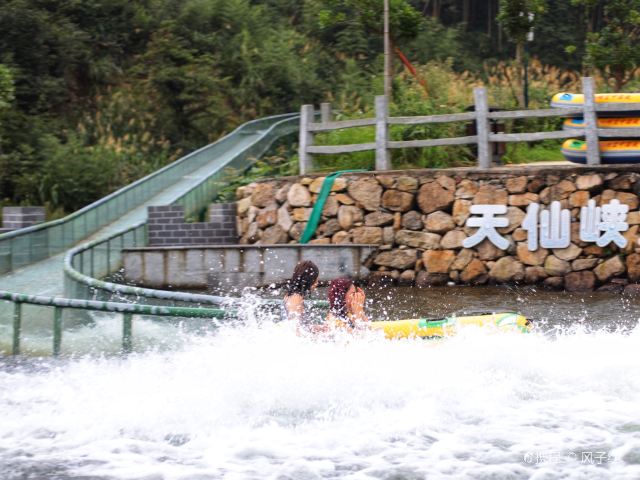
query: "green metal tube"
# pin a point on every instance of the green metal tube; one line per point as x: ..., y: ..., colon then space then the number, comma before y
x: 127, y: 332
x: 57, y: 330
x: 17, y: 327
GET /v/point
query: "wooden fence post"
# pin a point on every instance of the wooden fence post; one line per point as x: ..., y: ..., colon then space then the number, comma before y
x: 482, y: 126
x: 382, y: 133
x: 590, y: 122
x: 306, y: 139
x: 325, y: 112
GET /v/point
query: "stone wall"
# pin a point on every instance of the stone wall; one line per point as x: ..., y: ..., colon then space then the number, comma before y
x: 418, y: 221
x: 167, y: 226
x: 14, y: 218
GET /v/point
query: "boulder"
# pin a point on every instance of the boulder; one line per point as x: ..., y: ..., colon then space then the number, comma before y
x: 556, y: 267
x: 367, y: 192
x: 331, y: 206
x: 407, y: 184
x: 439, y: 222
x: 535, y: 185
x: 555, y: 283
x: 397, y: 201
x: 446, y: 182
x: 627, y: 198
x: 621, y: 182
x: 474, y: 272
x: 460, y: 211
x: 348, y: 215
x: 252, y: 235
x: 267, y: 217
x: 463, y: 259
x: 534, y: 275
x: 438, y: 261
x: 339, y: 184
x: 298, y: 196
x: 341, y: 237
x: 523, y: 199
x: 263, y: 195
x: 633, y: 267
x: 579, y: 198
x: 583, y: 281
x: 490, y: 194
x: 426, y: 279
x: 398, y: 258
x: 488, y: 251
x: 583, y: 264
x: 422, y: 240
x: 432, y: 196
x: 281, y: 193
x: 274, y: 234
x: 507, y: 269
x: 387, y: 181
x: 515, y: 217
x: 570, y: 253
x: 388, y: 235
x: 519, y: 235
x: 296, y: 231
x: 412, y: 220
x: 467, y: 189
x: 589, y: 182
x: 516, y: 184
x: 320, y: 241
x: 345, y: 199
x: 407, y: 278
x: 243, y: 205
x: 531, y: 258
x: 453, y: 239
x: 301, y: 214
x: 369, y: 235
x: 559, y: 191
x: 329, y: 228
x: 378, y: 219
x: 610, y: 268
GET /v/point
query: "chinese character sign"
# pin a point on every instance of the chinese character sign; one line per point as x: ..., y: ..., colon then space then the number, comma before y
x: 551, y: 228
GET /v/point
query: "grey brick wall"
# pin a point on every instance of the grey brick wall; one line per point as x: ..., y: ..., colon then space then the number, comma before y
x: 21, y: 217
x: 167, y: 226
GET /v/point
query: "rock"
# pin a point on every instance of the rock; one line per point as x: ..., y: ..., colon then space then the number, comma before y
x: 519, y: 235
x: 583, y: 264
x: 252, y: 235
x: 243, y: 205
x: 397, y: 221
x: 523, y: 200
x: 378, y: 219
x: 583, y: 281
x: 453, y: 239
x: 515, y: 217
x: 306, y: 181
x: 432, y: 196
x: 320, y: 241
x: 570, y: 253
x: 593, y: 250
x: 467, y: 189
x: 397, y: 201
x: 426, y: 279
x: 611, y: 288
x: 462, y: 260
x: 274, y: 234
x: 329, y: 228
x: 296, y: 231
x: 632, y: 290
x: 560, y: 191
x: 298, y: 196
x: 267, y: 217
x: 381, y: 279
x: 412, y: 220
x: 348, y: 215
x: 263, y: 195
x: 446, y: 182
x: 281, y: 193
x: 422, y: 240
x: 531, y: 258
x: 579, y: 198
x: 460, y: 211
x: 407, y: 184
x: 367, y: 192
x: 341, y: 237
x: 407, y: 278
x: 339, y: 184
x: 556, y: 267
x: 387, y: 181
x: 555, y: 283
x: 534, y: 275
x: 609, y: 268
x: 633, y: 218
x: 621, y: 182
x: 331, y: 206
x: 488, y: 251
x: 398, y: 258
x: 535, y: 185
x: 369, y: 235
x: 474, y: 272
x: 490, y: 194
x: 301, y: 214
x: 388, y: 235
x: 589, y: 182
x: 438, y: 261
x: 517, y: 184
x: 627, y: 198
x: 345, y: 199
x: 439, y: 222
x: 507, y: 269
x: 633, y: 267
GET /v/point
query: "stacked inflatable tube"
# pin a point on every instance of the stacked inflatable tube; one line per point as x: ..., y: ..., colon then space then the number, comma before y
x: 445, y: 327
x: 614, y: 151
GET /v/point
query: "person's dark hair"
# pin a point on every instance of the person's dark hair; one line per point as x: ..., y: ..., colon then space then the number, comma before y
x: 304, y: 276
x: 338, y: 289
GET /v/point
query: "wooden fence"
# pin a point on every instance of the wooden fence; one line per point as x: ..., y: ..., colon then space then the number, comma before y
x: 481, y: 116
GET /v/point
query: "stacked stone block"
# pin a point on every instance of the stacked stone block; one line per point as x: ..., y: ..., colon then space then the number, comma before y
x: 14, y: 218
x: 167, y: 226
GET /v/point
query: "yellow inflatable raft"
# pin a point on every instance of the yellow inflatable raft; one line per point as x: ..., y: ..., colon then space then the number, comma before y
x: 444, y: 327
x: 564, y: 99
x: 577, y: 124
x: 611, y: 151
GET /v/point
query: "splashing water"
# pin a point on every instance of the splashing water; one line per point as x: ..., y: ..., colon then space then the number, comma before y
x: 256, y: 401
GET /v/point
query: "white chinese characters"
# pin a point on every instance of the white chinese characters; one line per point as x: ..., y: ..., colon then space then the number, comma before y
x: 551, y: 228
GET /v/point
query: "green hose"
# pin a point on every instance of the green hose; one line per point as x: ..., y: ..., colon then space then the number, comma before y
x: 316, y: 213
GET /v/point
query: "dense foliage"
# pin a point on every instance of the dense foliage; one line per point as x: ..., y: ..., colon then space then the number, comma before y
x: 96, y: 93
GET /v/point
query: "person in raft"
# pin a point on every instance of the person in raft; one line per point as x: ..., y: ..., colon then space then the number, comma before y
x: 303, y: 280
x: 346, y: 305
